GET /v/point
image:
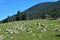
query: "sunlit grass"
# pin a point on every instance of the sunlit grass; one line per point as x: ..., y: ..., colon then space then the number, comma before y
x: 34, y: 31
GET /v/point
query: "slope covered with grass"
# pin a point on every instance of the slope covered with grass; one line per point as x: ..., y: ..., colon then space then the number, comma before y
x: 30, y: 30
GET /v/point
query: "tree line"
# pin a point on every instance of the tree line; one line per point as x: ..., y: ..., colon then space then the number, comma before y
x: 53, y: 13
x: 19, y: 16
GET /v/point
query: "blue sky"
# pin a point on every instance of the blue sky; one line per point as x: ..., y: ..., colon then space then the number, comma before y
x: 10, y: 7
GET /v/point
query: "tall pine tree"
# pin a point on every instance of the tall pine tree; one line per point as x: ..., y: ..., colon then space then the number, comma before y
x: 18, y: 16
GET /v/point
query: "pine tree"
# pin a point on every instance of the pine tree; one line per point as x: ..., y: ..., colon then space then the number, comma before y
x: 26, y: 15
x: 18, y: 16
x: 6, y: 20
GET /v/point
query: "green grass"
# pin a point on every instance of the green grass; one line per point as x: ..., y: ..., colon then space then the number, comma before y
x: 36, y: 33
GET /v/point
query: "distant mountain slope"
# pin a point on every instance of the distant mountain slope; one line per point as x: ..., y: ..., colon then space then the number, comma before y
x: 41, y: 9
x: 40, y: 6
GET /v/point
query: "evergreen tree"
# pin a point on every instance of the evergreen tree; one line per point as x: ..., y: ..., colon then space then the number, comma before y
x: 6, y: 20
x: 26, y: 16
x: 18, y: 16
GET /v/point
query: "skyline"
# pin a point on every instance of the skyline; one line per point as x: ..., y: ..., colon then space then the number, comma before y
x: 10, y: 7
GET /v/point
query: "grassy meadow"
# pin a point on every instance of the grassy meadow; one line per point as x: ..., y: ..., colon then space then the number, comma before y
x: 39, y: 29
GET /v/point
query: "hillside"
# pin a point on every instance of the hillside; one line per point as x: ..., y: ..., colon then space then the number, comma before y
x: 42, y: 6
x: 42, y: 9
x: 30, y: 30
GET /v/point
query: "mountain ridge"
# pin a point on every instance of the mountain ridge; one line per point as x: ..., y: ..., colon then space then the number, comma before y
x: 40, y: 8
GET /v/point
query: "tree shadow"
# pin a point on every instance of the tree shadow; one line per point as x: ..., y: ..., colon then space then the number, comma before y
x: 57, y: 35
